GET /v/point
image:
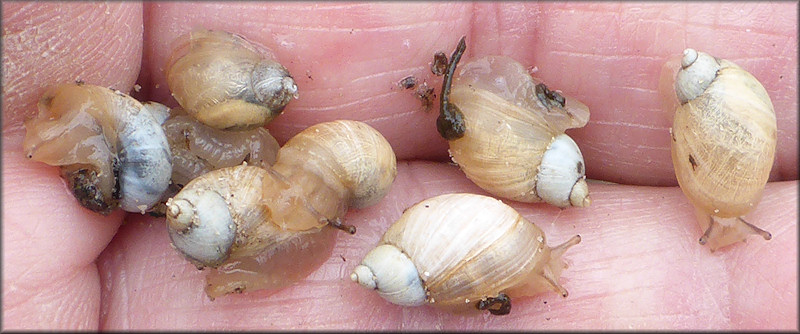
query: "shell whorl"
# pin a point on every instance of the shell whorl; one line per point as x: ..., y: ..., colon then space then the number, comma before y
x: 698, y: 70
x: 392, y: 274
x: 216, y: 212
x: 561, y: 180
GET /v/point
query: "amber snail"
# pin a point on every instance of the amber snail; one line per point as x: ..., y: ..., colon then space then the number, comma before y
x: 111, y: 149
x: 506, y: 132
x: 264, y: 228
x: 462, y: 252
x: 227, y: 82
x: 724, y: 135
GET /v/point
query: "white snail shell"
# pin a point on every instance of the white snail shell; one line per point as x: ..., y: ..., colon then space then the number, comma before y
x: 247, y: 219
x: 111, y: 148
x: 455, y: 250
x: 513, y: 143
x: 723, y: 144
x: 227, y: 82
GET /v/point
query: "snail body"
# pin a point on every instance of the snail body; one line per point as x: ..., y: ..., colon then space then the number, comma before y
x: 238, y: 219
x: 111, y: 148
x: 462, y: 252
x: 506, y: 132
x: 723, y: 143
x: 198, y: 149
x: 227, y: 82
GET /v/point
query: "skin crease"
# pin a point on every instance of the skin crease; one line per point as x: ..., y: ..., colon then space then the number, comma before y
x: 639, y: 265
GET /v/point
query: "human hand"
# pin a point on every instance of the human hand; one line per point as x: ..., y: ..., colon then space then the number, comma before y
x: 638, y: 266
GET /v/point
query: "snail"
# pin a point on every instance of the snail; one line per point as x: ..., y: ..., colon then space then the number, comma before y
x: 462, y: 252
x: 227, y: 82
x: 723, y: 142
x: 506, y: 132
x: 198, y: 149
x: 263, y: 228
x: 111, y: 149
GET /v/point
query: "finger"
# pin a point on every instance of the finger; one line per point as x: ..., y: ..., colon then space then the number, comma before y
x: 348, y: 58
x: 639, y: 265
x: 47, y: 44
x: 49, y: 241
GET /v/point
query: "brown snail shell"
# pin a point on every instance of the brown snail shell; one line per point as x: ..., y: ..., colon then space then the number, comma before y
x: 227, y: 82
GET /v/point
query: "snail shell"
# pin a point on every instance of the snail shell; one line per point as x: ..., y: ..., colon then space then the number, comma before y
x: 723, y: 144
x: 506, y: 132
x: 111, y: 148
x: 227, y: 82
x: 237, y: 219
x: 462, y: 252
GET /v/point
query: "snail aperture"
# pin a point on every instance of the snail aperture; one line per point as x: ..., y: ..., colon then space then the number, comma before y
x: 462, y: 252
x: 227, y: 82
x: 506, y: 132
x: 111, y: 148
x: 247, y: 219
x: 724, y: 136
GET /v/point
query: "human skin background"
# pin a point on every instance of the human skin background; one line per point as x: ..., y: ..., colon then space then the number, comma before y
x: 638, y: 266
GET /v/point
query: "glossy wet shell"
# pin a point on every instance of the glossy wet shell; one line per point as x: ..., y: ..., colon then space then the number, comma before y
x: 467, y: 247
x: 508, y: 129
x: 723, y: 143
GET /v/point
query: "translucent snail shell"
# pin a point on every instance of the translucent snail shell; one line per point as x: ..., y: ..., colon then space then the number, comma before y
x: 506, y: 132
x: 111, y: 148
x: 724, y: 136
x: 248, y: 219
x: 462, y: 252
x: 227, y: 82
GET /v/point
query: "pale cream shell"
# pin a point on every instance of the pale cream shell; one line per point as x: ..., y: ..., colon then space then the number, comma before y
x: 507, y: 130
x: 723, y: 144
x: 461, y: 260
